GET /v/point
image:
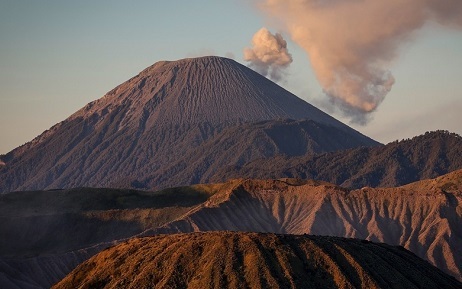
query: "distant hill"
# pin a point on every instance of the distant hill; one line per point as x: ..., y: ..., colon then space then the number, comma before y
x: 46, y: 234
x: 133, y: 136
x: 395, y: 164
x: 237, y: 145
x: 251, y: 260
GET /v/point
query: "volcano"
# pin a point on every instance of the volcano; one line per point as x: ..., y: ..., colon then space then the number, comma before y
x: 252, y: 260
x: 135, y: 135
x: 46, y: 234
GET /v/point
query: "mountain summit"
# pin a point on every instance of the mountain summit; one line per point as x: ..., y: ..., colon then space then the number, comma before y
x: 129, y: 137
x: 202, y: 90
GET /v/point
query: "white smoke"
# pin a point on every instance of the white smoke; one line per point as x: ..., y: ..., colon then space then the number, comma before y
x: 268, y: 55
x: 351, y: 43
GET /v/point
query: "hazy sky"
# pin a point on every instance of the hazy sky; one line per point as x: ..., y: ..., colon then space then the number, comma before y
x: 56, y: 56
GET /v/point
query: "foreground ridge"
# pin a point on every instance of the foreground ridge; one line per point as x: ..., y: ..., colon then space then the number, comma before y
x: 254, y: 260
x: 424, y: 217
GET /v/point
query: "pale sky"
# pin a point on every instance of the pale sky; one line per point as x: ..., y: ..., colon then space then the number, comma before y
x: 56, y: 56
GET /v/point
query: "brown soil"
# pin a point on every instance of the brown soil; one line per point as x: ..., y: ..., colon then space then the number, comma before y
x: 423, y: 217
x: 252, y: 260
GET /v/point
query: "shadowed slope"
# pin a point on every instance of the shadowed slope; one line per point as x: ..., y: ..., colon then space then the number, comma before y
x: 250, y: 260
x: 152, y: 120
x: 235, y: 145
x: 45, y: 234
x: 395, y: 164
x: 50, y: 222
x: 424, y: 217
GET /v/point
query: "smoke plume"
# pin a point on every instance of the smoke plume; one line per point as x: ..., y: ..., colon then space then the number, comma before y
x: 269, y: 55
x: 351, y: 43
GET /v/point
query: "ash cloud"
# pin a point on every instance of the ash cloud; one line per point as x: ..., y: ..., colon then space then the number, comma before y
x: 351, y: 43
x: 268, y: 55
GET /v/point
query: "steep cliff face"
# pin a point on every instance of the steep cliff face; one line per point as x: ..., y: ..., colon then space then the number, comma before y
x: 423, y: 217
x: 156, y: 118
x: 251, y: 260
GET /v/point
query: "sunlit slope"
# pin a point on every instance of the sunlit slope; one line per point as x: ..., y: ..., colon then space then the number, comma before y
x: 251, y: 260
x: 129, y: 136
x: 423, y: 217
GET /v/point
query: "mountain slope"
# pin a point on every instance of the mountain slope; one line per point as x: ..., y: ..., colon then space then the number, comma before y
x: 38, y: 222
x: 250, y: 260
x: 152, y: 120
x: 424, y: 217
x: 45, y: 234
x: 395, y: 164
x: 236, y: 145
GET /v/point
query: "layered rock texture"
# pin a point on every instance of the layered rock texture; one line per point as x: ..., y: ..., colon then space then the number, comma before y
x: 251, y: 260
x: 211, y: 119
x: 424, y: 217
x: 137, y: 133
